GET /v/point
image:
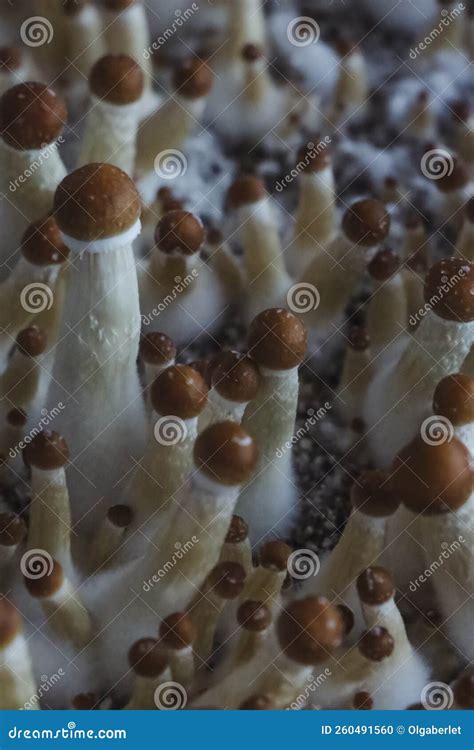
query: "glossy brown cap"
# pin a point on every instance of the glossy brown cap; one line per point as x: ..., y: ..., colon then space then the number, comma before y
x: 17, y: 417
x: 235, y: 377
x: 205, y: 368
x: 157, y: 348
x: 42, y: 243
x: 96, y: 201
x: 257, y: 703
x: 117, y: 79
x: 48, y: 584
x: 383, y: 265
x: 366, y: 222
x: 238, y: 531
x: 277, y: 339
x: 373, y: 495
x: 10, y: 59
x: 375, y: 586
x: 449, y: 289
x: 359, y: 339
x: 120, y: 515
x: 225, y: 453
x: 47, y: 451
x: 314, y: 159
x: 193, y: 79
x: 463, y: 690
x: 254, y: 616
x: 12, y: 529
x: 362, y: 701
x: 454, y: 179
x: 310, y: 629
x: 227, y: 579
x: 85, y: 702
x: 433, y: 479
x: 274, y: 555
x: 244, y: 191
x: 146, y: 658
x: 181, y: 232
x: 179, y: 391
x: 251, y: 53
x: 32, y: 116
x: 376, y: 644
x: 454, y: 399
x: 31, y: 341
x: 10, y: 622
x: 177, y: 631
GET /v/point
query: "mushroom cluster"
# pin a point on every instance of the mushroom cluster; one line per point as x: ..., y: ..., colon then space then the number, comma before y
x: 161, y: 362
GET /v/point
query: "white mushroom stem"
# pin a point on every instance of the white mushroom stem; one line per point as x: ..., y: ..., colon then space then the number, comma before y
x: 387, y: 312
x: 67, y: 616
x: 110, y: 134
x: 127, y: 33
x: 95, y: 372
x: 84, y: 41
x: 421, y: 122
x: 286, y: 680
x: 50, y: 515
x: 239, y: 552
x: 352, y: 87
x: 205, y: 615
x: 143, y: 691
x: 182, y: 665
x: 355, y: 377
x: 17, y: 683
x: 220, y: 409
x: 265, y: 585
x: 463, y: 141
x: 108, y: 539
x: 246, y: 25
x: 222, y: 261
x: 415, y: 244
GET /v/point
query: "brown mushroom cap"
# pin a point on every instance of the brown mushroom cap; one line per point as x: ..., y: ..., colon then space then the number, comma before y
x: 12, y: 529
x: 47, y: 451
x: 46, y: 585
x: 177, y: 631
x: 359, y: 339
x: 204, y: 367
x: 463, y: 690
x: 117, y: 79
x: 179, y: 391
x: 454, y: 179
x: 274, y: 555
x: 31, y: 341
x: 373, y: 495
x: 454, y: 398
x: 254, y: 616
x: 238, y: 531
x: 10, y: 622
x: 235, y: 377
x: 96, y: 201
x: 193, y: 79
x: 120, y: 515
x: 366, y: 222
x: 17, y: 417
x: 226, y: 453
x: 157, y: 348
x: 384, y: 264
x: 10, y: 59
x: 309, y: 629
x: 181, y: 232
x: 277, y: 339
x: 313, y: 159
x: 375, y: 586
x: 433, y: 479
x: 449, y: 289
x: 257, y: 703
x: 146, y: 658
x: 31, y: 116
x: 84, y: 702
x: 376, y: 644
x: 251, y: 53
x: 363, y: 701
x: 227, y: 579
x: 244, y: 191
x: 42, y: 243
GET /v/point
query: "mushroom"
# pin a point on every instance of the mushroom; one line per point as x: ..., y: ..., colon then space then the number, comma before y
x: 17, y: 683
x: 12, y: 533
x: 177, y: 634
x: 356, y: 373
x: 277, y: 343
x: 254, y: 618
x: 415, y: 255
x: 157, y: 352
x: 463, y: 690
x: 116, y: 87
x: 352, y: 87
x: 236, y: 547
x: 421, y: 122
x: 462, y: 130
x: 387, y: 308
x: 454, y: 189
x: 235, y: 382
x: 180, y: 294
x: 223, y: 262
x: 110, y: 535
x: 95, y: 371
x: 84, y: 43
x: 269, y: 577
x: 266, y: 279
x: 150, y: 669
